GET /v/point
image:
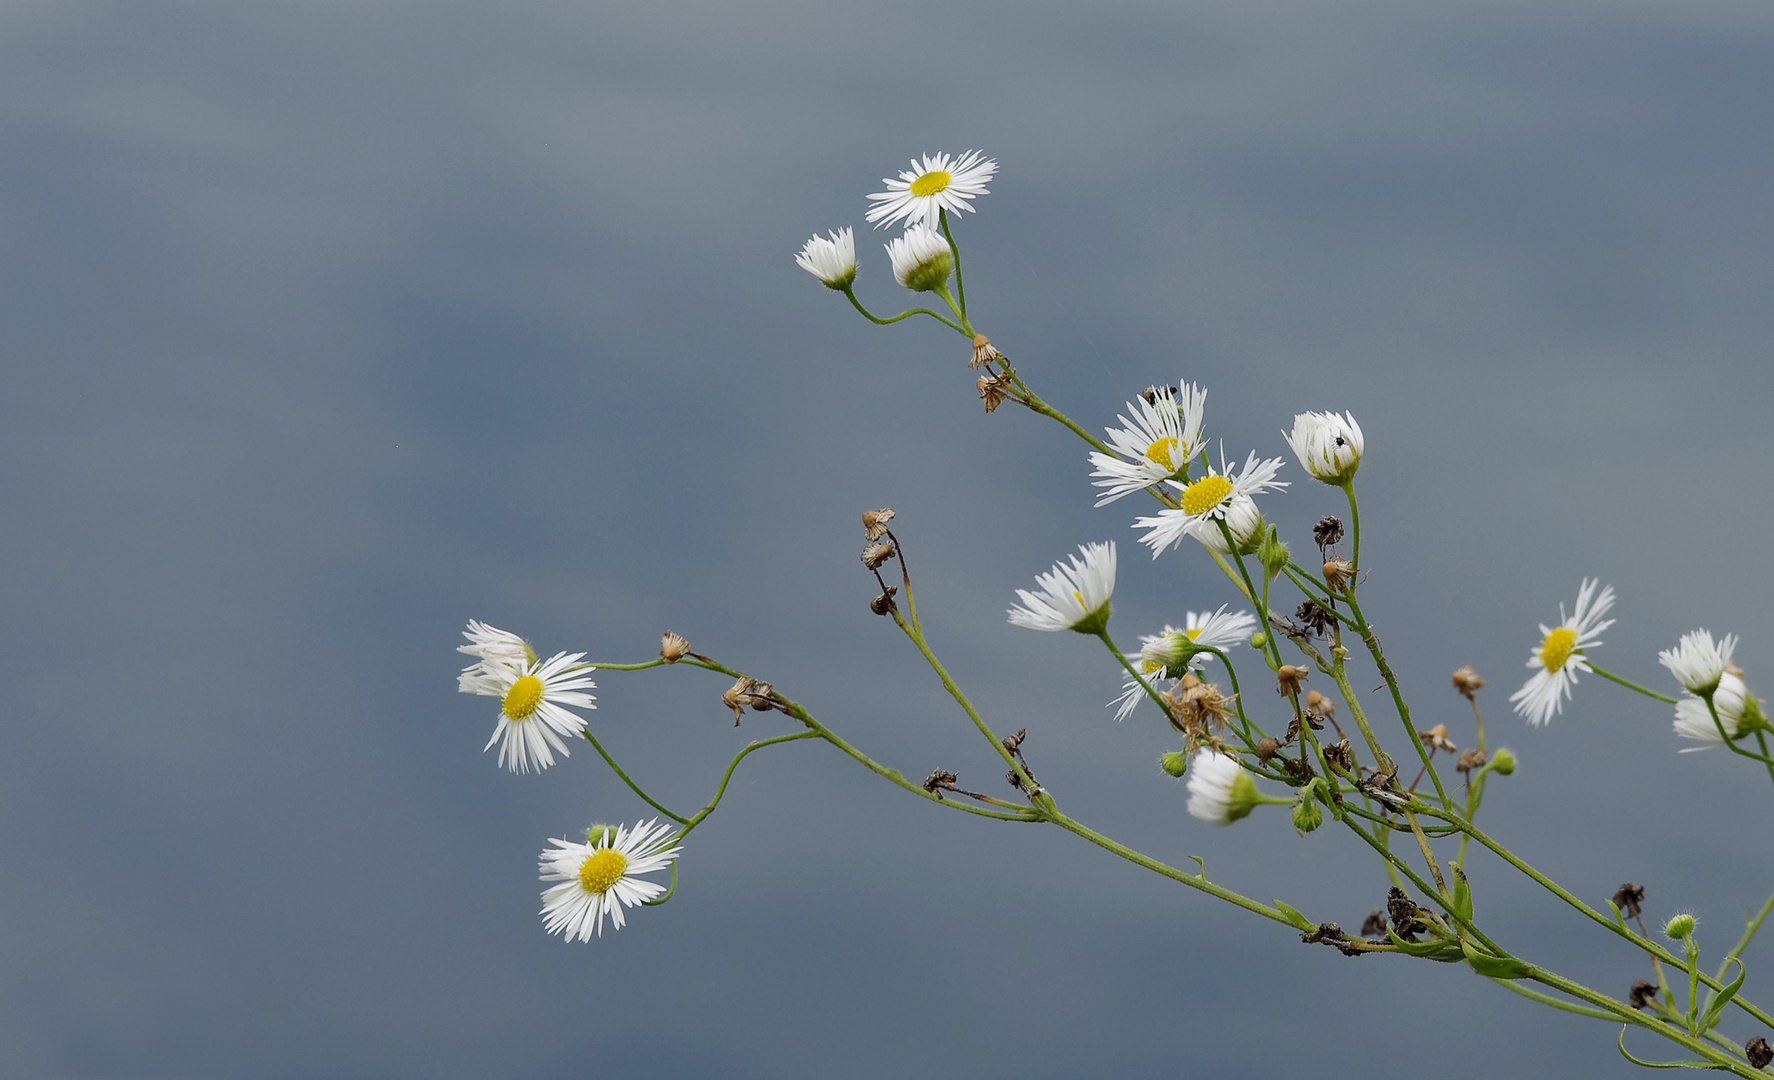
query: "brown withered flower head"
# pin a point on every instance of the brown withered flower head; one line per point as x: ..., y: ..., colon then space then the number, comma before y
x: 1471, y: 759
x: 1642, y: 994
x: 1337, y: 573
x: 874, y: 523
x: 1436, y: 738
x: 748, y: 693
x: 1328, y: 531
x: 983, y: 352
x: 1758, y: 1052
x: 1267, y: 748
x: 1288, y: 678
x: 876, y: 554
x: 1467, y: 682
x: 1320, y: 704
x: 1374, y: 925
x: 883, y: 604
x: 1341, y: 755
x: 1630, y: 899
x: 991, y: 391
x: 1196, y: 704
x: 1403, y: 911
x: 939, y: 781
x: 673, y: 647
x: 1314, y: 618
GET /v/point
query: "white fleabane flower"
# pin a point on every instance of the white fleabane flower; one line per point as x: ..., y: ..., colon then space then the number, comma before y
x: 923, y: 192
x: 1328, y: 445
x: 1220, y: 791
x: 532, y: 717
x: 1174, y: 653
x: 1739, y: 712
x: 1072, y: 597
x: 921, y: 259
x: 1697, y: 661
x: 600, y: 878
x: 832, y: 261
x: 1216, y: 497
x: 1559, y: 655
x: 493, y: 649
x: 1156, y: 445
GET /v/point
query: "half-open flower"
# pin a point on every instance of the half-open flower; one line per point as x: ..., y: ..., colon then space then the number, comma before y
x: 1220, y: 791
x: 921, y: 259
x: 1739, y: 714
x: 1328, y: 445
x: 1697, y: 661
x: 1073, y: 596
x: 832, y: 261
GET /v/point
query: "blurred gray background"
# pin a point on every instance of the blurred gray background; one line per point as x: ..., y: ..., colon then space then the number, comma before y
x: 327, y: 327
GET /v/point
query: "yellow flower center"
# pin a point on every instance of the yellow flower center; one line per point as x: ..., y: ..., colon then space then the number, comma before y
x: 523, y: 697
x: 1193, y: 634
x: 602, y: 869
x: 1557, y: 648
x: 930, y: 183
x: 1205, y: 494
x: 1159, y: 453
x: 1151, y: 667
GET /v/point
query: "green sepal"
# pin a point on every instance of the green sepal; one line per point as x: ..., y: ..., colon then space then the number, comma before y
x: 1462, y: 893
x: 1722, y: 998
x: 1300, y: 921
x: 1496, y: 967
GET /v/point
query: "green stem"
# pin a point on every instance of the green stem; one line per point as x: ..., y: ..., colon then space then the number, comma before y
x: 1157, y: 699
x: 942, y: 217
x: 1725, y: 738
x: 1629, y: 684
x: 1751, y: 925
x: 1547, y: 999
x: 1354, y: 704
x: 966, y: 706
x: 871, y: 317
x: 1398, y: 703
x: 1354, y: 529
x: 632, y: 786
x: 721, y: 790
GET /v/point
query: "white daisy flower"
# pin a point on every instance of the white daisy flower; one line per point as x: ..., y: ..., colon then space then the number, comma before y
x: 1156, y: 445
x: 1328, y: 445
x: 921, y: 259
x: 1074, y: 597
x: 922, y: 192
x: 1697, y: 661
x: 1739, y: 712
x: 600, y: 878
x: 1218, y: 496
x: 1173, y: 653
x: 1559, y: 655
x: 531, y: 714
x: 1220, y: 791
x: 493, y: 648
x: 832, y: 261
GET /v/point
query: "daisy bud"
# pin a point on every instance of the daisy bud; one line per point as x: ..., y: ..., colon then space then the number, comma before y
x: 1679, y: 927
x: 983, y: 353
x: 672, y: 647
x: 1503, y: 762
x: 874, y: 523
x: 1272, y: 553
x: 1697, y: 661
x: 831, y: 261
x: 1337, y: 573
x: 1318, y: 703
x: 1308, y: 815
x: 1258, y: 640
x: 921, y: 259
x: 1220, y: 791
x: 1073, y: 596
x: 1467, y: 682
x: 1175, y: 763
x: 1328, y: 446
x: 876, y: 554
x: 601, y: 835
x: 1288, y: 678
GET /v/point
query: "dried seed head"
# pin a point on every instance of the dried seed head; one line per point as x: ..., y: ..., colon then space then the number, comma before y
x: 1341, y: 755
x: 1758, y: 1052
x: 1320, y: 704
x: 939, y: 781
x: 883, y: 604
x: 1467, y: 682
x: 1267, y: 749
x: 1630, y: 899
x: 1436, y: 738
x: 874, y: 523
x: 1374, y: 925
x: 1288, y: 678
x: 748, y: 693
x: 991, y: 391
x: 983, y: 353
x: 1014, y: 780
x: 672, y: 647
x: 876, y: 554
x: 1337, y: 573
x: 1013, y: 743
x: 1642, y: 994
x: 1471, y: 759
x: 1327, y: 532
x: 1314, y: 618
x: 1196, y: 704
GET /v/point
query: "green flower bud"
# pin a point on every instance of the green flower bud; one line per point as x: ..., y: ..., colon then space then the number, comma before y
x: 1174, y: 763
x: 1272, y: 553
x: 1258, y: 640
x: 1503, y: 762
x: 1308, y: 815
x: 604, y: 834
x: 1679, y: 927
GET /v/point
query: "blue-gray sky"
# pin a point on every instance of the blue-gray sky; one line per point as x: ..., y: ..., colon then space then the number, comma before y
x: 327, y: 327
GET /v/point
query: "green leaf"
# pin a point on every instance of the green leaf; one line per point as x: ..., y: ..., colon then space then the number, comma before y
x: 1496, y: 967
x: 1440, y: 951
x: 1661, y: 1064
x: 1462, y: 893
x: 1723, y: 998
x: 1299, y: 921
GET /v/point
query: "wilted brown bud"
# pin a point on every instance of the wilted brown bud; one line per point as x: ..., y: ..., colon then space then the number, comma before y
x: 1340, y: 755
x: 672, y: 647
x: 874, y: 523
x: 938, y: 781
x: 1014, y: 780
x: 991, y: 391
x: 1013, y: 743
x: 1267, y: 749
x: 1403, y: 911
x: 1374, y: 925
x: 1467, y: 682
x: 1288, y: 679
x: 1630, y: 898
x: 1314, y: 618
x: 883, y: 604
x: 1471, y: 759
x: 876, y: 554
x: 1436, y: 738
x: 1642, y: 994
x: 1337, y: 573
x: 1758, y: 1052
x: 983, y: 353
x: 1327, y: 532
x: 748, y: 693
x: 1320, y: 704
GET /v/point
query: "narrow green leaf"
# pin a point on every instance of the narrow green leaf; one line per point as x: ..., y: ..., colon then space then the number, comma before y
x: 1299, y: 921
x: 1723, y: 998
x: 1660, y: 1064
x: 1462, y: 893
x: 1496, y: 967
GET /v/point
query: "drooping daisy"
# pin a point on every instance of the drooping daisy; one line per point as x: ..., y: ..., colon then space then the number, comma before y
x: 1156, y: 445
x: 921, y: 259
x: 532, y: 717
x: 1072, y: 597
x: 1219, y: 496
x: 922, y: 192
x: 1328, y: 445
x: 1174, y: 653
x: 832, y: 261
x: 1220, y: 791
x: 1739, y: 712
x: 1697, y: 661
x: 493, y: 648
x: 1559, y: 655
x: 601, y: 877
